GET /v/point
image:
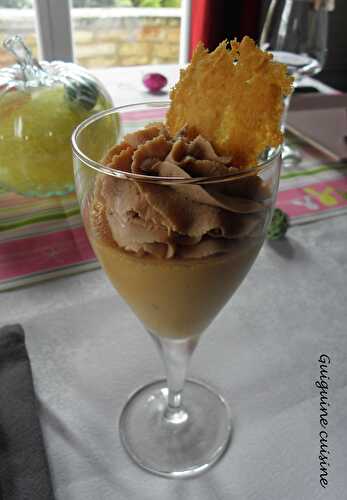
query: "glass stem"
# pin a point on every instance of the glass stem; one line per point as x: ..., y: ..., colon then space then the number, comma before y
x: 176, y: 354
x: 291, y: 156
x: 31, y: 68
x: 286, y: 104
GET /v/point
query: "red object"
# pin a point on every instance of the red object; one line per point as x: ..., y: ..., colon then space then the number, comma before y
x: 215, y: 20
x: 154, y: 81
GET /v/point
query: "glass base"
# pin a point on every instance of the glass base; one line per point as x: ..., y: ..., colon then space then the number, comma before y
x: 183, y: 448
x: 291, y: 156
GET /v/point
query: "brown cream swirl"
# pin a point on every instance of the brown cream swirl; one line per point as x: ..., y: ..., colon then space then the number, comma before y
x: 182, y: 220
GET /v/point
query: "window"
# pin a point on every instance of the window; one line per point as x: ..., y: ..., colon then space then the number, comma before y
x: 17, y: 17
x: 106, y: 33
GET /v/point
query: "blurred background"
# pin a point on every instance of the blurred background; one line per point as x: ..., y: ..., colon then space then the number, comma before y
x: 105, y: 33
x: 108, y: 33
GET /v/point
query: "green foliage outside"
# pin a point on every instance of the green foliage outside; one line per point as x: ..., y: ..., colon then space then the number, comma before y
x: 171, y: 3
x: 22, y: 4
x: 16, y: 4
x: 125, y: 3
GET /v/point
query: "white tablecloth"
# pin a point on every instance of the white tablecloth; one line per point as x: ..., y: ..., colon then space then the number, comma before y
x: 88, y: 352
x: 126, y: 87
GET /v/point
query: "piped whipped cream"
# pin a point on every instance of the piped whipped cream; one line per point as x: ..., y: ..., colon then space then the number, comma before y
x: 180, y: 220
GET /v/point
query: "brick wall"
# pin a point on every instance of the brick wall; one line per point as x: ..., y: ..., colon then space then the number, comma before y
x: 107, y: 37
x: 21, y: 22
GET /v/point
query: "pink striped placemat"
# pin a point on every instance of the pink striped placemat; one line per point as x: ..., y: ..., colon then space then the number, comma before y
x: 41, y: 239
x: 44, y: 238
x: 316, y: 189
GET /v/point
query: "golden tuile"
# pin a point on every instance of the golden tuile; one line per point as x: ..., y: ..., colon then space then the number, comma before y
x: 237, y: 107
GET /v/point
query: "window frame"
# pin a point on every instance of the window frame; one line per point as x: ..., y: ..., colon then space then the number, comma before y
x: 53, y: 22
x: 54, y: 28
x: 185, y: 35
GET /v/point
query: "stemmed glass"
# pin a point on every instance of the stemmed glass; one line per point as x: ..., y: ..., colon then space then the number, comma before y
x: 173, y: 427
x: 296, y: 32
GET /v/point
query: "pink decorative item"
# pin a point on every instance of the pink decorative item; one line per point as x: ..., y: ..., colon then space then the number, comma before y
x: 154, y: 81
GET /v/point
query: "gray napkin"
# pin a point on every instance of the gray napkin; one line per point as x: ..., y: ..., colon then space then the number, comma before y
x: 24, y: 471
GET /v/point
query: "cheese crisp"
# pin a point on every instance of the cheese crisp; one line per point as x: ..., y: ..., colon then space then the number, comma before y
x: 233, y: 98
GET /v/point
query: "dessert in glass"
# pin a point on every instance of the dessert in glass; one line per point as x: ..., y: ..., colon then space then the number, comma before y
x: 176, y: 218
